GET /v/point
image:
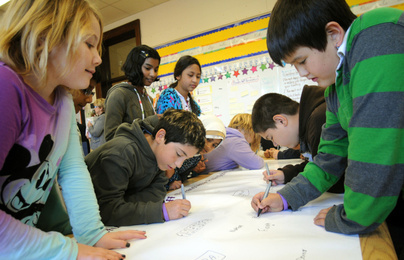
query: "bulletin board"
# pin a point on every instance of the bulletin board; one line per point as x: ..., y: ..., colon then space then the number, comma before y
x: 359, y: 7
x: 236, y: 66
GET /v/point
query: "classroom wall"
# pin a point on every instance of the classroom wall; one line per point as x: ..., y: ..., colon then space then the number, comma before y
x: 177, y: 19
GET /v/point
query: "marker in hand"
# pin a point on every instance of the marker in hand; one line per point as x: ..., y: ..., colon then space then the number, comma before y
x: 266, y: 191
x: 183, y: 192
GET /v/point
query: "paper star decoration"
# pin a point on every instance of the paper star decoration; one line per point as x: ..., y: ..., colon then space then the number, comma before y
x: 271, y: 65
x: 153, y: 90
x: 220, y: 76
x: 213, y: 78
x: 160, y: 88
x: 263, y: 67
x: 228, y: 75
x: 254, y: 69
x: 236, y: 73
x: 205, y: 80
x: 245, y: 71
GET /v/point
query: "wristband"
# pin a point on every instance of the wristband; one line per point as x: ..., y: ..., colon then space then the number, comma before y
x: 165, y: 214
x: 285, y: 203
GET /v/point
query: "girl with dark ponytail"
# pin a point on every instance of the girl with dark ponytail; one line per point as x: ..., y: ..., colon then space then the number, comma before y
x: 187, y: 74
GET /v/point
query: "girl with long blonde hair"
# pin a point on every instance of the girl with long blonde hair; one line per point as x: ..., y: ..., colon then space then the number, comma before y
x: 45, y: 47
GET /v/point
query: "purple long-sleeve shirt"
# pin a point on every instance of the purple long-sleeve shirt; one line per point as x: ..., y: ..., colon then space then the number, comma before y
x: 233, y: 152
x: 39, y: 142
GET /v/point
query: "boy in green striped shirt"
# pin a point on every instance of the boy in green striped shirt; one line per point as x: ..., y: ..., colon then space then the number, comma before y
x: 361, y: 62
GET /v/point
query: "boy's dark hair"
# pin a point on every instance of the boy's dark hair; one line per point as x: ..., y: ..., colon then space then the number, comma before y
x: 182, y: 127
x: 269, y: 105
x: 134, y: 62
x: 301, y: 23
x: 181, y: 65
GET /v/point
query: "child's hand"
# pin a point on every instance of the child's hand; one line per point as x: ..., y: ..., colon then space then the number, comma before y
x: 89, y: 124
x: 200, y: 167
x: 272, y: 203
x: 96, y: 253
x: 119, y: 239
x: 178, y: 208
x: 271, y: 153
x: 175, y: 185
x: 110, y: 240
x: 276, y: 176
x: 274, y: 153
x: 320, y: 218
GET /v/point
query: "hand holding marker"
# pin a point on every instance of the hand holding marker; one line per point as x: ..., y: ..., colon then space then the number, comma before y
x: 266, y: 191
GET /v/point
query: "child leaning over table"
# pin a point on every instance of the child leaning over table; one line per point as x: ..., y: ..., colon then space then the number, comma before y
x: 128, y: 171
x: 238, y: 149
x: 44, y: 47
x: 361, y: 60
x: 215, y: 134
x: 286, y: 122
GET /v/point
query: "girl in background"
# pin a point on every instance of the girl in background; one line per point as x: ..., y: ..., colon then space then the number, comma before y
x: 238, y: 149
x: 96, y: 130
x: 187, y: 74
x: 129, y: 100
x: 47, y: 45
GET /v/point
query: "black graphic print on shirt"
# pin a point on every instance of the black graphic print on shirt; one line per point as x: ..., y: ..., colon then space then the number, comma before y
x: 23, y: 187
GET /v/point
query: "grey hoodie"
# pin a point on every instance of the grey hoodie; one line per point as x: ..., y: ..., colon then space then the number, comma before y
x: 122, y: 105
x: 127, y: 182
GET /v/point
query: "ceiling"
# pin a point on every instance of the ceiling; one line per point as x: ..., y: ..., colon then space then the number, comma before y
x: 115, y: 10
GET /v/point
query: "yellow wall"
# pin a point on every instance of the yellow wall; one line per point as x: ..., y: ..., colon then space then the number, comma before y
x: 240, y: 50
x: 216, y: 37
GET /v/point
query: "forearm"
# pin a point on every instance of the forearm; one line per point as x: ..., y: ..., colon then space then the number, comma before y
x: 291, y: 171
x: 78, y: 194
x: 289, y: 154
x: 298, y: 192
x: 338, y: 222
x: 371, y: 192
x: 20, y: 241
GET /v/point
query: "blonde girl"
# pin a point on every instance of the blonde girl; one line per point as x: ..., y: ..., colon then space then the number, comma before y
x: 243, y: 123
x: 46, y: 45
